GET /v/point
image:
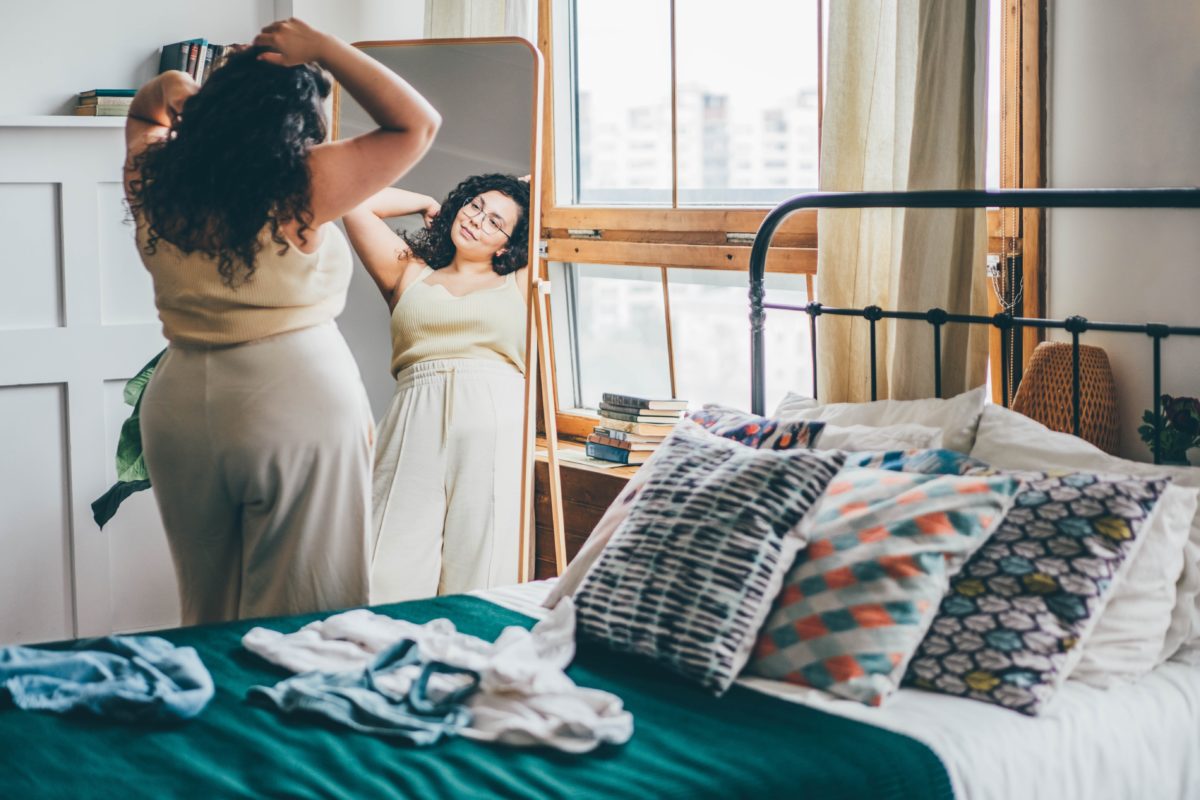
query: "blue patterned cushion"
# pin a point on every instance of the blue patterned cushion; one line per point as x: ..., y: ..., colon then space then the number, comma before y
x: 1033, y: 591
x: 755, y: 431
x: 858, y: 600
x: 926, y: 462
x: 689, y: 575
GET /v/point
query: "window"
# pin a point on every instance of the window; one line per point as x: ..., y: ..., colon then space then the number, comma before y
x: 674, y: 126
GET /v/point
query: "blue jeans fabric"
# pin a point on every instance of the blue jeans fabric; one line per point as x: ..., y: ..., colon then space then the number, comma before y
x: 127, y: 678
x: 355, y: 700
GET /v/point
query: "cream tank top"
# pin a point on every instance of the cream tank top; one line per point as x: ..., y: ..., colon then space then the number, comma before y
x: 287, y: 292
x: 430, y: 323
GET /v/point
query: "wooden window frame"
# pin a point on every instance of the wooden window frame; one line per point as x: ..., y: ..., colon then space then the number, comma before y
x: 708, y: 238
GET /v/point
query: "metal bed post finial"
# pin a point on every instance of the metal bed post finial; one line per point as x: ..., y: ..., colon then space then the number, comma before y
x: 758, y: 270
x: 937, y: 317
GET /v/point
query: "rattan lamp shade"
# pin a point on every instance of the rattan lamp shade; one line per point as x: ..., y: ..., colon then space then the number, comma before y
x: 1045, y: 393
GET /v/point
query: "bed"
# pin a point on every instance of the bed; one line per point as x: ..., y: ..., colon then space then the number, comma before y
x: 763, y: 738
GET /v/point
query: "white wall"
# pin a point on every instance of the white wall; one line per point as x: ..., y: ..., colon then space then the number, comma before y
x: 1124, y: 111
x: 364, y: 20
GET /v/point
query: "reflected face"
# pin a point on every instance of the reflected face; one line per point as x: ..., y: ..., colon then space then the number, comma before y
x: 482, y: 226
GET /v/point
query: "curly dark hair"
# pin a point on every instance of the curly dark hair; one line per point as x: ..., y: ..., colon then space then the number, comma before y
x: 235, y: 162
x: 433, y: 244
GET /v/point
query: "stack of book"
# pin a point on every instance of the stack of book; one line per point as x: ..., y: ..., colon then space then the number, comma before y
x: 196, y: 57
x: 104, y: 103
x: 632, y: 427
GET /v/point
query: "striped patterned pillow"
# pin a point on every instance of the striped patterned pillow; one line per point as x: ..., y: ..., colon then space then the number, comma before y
x: 690, y: 574
x: 858, y: 600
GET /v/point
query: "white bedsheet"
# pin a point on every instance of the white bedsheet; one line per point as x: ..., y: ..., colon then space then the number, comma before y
x: 1126, y: 743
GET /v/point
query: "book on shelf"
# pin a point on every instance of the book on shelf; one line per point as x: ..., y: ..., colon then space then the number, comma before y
x: 102, y: 111
x: 633, y: 401
x: 622, y: 444
x: 615, y: 454
x: 105, y: 100
x: 623, y: 416
x: 196, y: 57
x: 666, y: 413
x: 108, y: 93
x: 174, y: 56
x: 639, y: 428
x: 625, y: 436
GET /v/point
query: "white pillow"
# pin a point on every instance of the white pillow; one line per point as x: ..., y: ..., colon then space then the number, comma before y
x: 957, y: 417
x: 1010, y: 440
x: 891, y: 437
x: 1129, y: 636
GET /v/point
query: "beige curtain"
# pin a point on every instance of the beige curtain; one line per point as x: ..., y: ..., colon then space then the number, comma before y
x: 459, y: 19
x: 905, y: 109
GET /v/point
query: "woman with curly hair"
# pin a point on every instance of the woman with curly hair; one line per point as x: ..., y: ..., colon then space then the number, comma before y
x: 447, y: 466
x: 256, y: 430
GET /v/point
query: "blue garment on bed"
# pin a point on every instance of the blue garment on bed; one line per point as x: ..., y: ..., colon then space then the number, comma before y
x: 356, y: 700
x: 127, y: 678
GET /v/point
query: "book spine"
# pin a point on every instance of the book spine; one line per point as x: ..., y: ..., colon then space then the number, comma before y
x: 650, y: 420
x: 201, y: 57
x: 649, y: 412
x: 105, y: 101
x: 639, y: 428
x: 625, y: 400
x: 208, y: 62
x: 606, y: 453
x: 608, y: 441
x: 193, y: 55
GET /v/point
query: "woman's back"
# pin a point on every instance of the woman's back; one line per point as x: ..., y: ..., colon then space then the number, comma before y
x: 288, y: 290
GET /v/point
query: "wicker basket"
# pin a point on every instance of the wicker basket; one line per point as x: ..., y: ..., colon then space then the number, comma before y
x: 1045, y: 393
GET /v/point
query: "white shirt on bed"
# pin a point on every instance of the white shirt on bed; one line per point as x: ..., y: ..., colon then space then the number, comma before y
x: 524, y: 697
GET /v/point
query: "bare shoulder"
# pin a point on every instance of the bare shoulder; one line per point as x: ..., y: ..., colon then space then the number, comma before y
x: 410, y: 273
x: 522, y: 277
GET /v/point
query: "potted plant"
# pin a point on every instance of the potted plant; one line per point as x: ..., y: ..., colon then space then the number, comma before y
x: 1179, y: 431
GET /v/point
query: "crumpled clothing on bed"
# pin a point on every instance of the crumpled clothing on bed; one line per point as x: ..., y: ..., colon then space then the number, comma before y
x: 524, y: 696
x: 398, y: 695
x: 128, y: 678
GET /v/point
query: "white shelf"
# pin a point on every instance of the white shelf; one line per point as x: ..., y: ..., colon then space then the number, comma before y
x: 60, y: 121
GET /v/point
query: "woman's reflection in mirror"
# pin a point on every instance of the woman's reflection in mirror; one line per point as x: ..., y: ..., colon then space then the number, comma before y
x: 447, y: 478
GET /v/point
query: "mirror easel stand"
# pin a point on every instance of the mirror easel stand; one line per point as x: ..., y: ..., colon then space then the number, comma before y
x: 549, y: 414
x: 538, y: 353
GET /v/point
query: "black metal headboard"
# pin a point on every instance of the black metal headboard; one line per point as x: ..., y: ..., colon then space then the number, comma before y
x: 936, y: 317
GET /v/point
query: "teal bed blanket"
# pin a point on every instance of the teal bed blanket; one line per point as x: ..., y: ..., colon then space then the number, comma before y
x: 686, y: 744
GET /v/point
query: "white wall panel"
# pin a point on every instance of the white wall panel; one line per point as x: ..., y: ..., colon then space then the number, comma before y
x: 35, y: 592
x: 126, y: 291
x: 31, y: 263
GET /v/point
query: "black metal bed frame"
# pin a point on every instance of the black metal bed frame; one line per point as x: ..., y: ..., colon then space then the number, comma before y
x: 1008, y: 324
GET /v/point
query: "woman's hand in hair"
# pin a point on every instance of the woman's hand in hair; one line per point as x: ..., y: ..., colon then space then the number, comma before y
x: 291, y: 42
x: 431, y: 212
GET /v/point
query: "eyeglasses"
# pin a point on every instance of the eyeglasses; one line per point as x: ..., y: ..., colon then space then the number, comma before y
x: 492, y: 223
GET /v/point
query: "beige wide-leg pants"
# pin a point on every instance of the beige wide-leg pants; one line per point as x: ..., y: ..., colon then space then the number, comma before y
x: 260, y: 459
x: 447, y: 480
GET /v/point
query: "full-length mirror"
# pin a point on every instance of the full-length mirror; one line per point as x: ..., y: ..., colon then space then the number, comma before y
x: 438, y: 319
